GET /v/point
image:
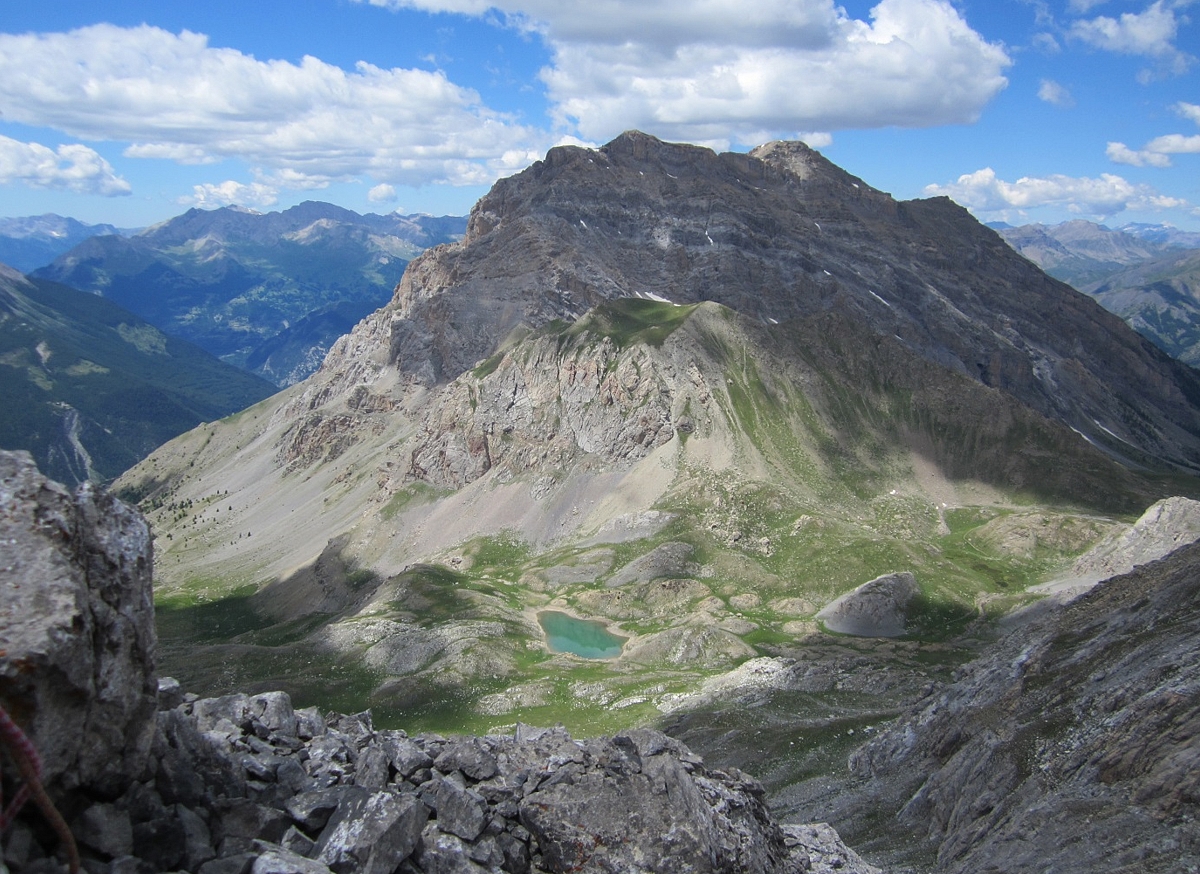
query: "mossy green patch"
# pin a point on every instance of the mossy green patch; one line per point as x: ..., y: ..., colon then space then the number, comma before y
x: 182, y: 617
x: 632, y: 320
x: 488, y: 367
x: 937, y: 617
x: 361, y: 578
x: 432, y: 594
x: 504, y: 555
x: 312, y: 678
x: 413, y: 494
x: 761, y: 637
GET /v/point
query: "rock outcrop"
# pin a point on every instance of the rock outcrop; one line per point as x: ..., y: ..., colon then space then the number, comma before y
x: 247, y: 784
x: 152, y: 779
x: 76, y: 628
x: 1163, y: 528
x: 875, y: 609
x: 1166, y: 526
x: 1073, y: 746
x: 597, y: 401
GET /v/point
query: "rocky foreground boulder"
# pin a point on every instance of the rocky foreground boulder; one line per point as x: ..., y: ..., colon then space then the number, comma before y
x: 248, y: 784
x: 76, y: 627
x: 150, y: 779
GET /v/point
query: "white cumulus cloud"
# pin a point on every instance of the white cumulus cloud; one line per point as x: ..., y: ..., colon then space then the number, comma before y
x: 72, y: 167
x: 1055, y: 94
x: 816, y: 139
x: 230, y: 193
x: 1157, y: 152
x: 1119, y: 153
x: 982, y: 191
x: 173, y: 96
x: 716, y: 71
x: 382, y: 193
x: 1174, y: 144
x: 1188, y: 110
x: 1149, y: 33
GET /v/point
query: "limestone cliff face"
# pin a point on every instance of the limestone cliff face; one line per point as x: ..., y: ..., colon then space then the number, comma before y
x: 559, y: 397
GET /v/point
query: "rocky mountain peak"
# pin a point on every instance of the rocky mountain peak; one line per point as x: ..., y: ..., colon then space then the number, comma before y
x: 765, y: 385
x: 795, y: 157
x: 781, y: 235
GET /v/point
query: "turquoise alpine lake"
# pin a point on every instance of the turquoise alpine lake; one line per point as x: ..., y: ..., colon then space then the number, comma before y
x: 582, y: 637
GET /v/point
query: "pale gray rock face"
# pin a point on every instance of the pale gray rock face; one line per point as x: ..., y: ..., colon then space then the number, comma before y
x: 1166, y: 526
x: 668, y: 560
x: 76, y: 628
x: 1163, y: 528
x: 826, y: 852
x: 529, y: 414
x: 277, y: 860
x: 649, y: 807
x: 1073, y: 746
x: 874, y: 609
x: 372, y: 834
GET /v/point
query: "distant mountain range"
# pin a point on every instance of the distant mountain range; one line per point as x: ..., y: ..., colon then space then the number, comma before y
x: 1149, y: 275
x: 265, y: 292
x: 30, y: 242
x: 1163, y: 234
x: 89, y: 388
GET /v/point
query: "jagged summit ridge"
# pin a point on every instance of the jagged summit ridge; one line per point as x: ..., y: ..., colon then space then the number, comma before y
x: 779, y: 235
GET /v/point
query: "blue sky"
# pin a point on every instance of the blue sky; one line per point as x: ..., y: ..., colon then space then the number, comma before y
x: 131, y: 111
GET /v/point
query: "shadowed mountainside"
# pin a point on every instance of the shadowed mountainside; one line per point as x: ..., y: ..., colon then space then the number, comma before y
x: 89, y: 388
